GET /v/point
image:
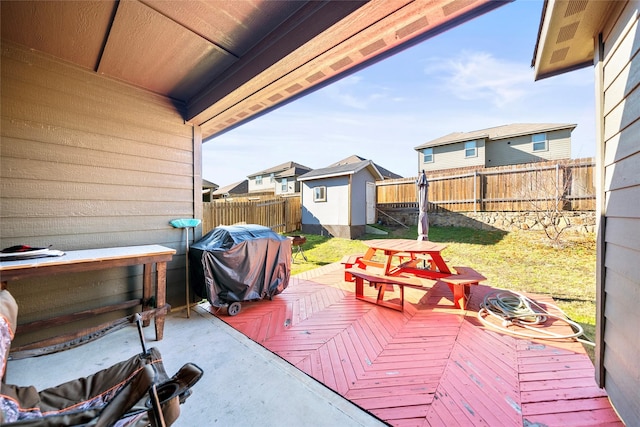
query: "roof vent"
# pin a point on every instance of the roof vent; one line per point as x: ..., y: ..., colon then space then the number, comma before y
x: 567, y: 32
x: 341, y: 64
x: 575, y: 7
x: 377, y: 45
x: 412, y: 27
x: 316, y: 76
x: 559, y: 55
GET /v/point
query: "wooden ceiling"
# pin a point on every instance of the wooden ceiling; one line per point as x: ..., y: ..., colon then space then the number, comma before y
x: 225, y: 62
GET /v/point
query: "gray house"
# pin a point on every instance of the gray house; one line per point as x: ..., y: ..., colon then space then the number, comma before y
x: 208, y: 188
x: 498, y: 146
x: 606, y: 36
x: 281, y: 179
x: 339, y: 200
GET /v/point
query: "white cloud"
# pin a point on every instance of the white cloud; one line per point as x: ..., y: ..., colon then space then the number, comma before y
x: 481, y: 76
x: 356, y: 93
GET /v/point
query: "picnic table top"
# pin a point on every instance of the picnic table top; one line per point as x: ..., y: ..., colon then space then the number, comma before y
x: 405, y: 245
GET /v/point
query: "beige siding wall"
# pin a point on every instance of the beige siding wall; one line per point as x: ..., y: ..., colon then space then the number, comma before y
x: 519, y: 150
x: 619, y: 275
x: 88, y: 162
x: 452, y: 156
x: 266, y: 185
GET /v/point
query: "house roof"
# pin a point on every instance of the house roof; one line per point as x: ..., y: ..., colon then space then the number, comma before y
x: 496, y: 133
x: 224, y: 63
x: 566, y: 35
x: 209, y: 184
x: 387, y: 174
x: 240, y: 187
x: 284, y: 170
x: 342, y: 170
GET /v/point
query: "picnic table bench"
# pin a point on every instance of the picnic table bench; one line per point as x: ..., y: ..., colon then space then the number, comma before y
x: 349, y: 261
x: 460, y: 284
x: 380, y: 282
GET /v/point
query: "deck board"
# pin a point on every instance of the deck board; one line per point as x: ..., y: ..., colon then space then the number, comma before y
x: 431, y: 365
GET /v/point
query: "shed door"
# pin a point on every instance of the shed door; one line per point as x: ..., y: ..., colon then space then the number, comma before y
x: 371, y: 202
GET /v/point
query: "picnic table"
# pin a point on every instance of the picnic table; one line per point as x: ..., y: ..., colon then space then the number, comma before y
x: 412, y: 263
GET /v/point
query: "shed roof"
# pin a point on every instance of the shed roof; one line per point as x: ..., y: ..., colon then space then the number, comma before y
x: 283, y: 170
x: 387, y: 174
x: 342, y: 170
x: 209, y: 184
x: 496, y: 133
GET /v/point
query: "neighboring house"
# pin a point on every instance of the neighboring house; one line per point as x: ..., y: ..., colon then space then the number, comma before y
x: 281, y: 179
x: 498, y: 146
x: 606, y: 35
x: 339, y: 200
x: 208, y: 188
x: 228, y: 191
x: 386, y: 174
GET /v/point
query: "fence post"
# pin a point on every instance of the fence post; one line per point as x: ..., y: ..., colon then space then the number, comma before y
x: 475, y: 190
x: 557, y: 184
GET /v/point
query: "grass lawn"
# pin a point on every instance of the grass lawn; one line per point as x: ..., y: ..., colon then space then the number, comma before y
x: 519, y: 261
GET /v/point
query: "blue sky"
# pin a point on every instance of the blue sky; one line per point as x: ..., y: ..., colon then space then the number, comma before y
x: 472, y: 77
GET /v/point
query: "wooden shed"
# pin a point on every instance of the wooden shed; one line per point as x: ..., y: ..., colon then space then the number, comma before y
x: 339, y: 200
x: 606, y: 35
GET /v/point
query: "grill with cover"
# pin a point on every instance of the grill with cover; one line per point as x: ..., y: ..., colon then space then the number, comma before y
x: 236, y: 263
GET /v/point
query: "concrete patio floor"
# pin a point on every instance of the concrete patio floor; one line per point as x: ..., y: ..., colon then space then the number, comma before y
x: 243, y: 383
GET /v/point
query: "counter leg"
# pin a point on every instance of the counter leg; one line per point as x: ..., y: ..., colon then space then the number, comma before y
x: 161, y: 299
x: 146, y: 290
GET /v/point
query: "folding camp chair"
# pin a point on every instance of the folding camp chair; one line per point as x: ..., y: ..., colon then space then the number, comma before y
x: 135, y: 392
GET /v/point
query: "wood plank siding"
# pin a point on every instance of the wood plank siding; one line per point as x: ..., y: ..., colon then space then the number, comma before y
x: 89, y: 162
x: 618, y: 77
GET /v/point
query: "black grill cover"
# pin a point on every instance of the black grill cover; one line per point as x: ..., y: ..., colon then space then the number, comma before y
x: 239, y: 263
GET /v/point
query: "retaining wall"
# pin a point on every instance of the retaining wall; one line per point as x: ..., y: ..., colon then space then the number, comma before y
x: 579, y: 221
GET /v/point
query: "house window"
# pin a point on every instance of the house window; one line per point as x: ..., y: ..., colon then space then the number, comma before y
x: 284, y: 185
x: 259, y: 180
x: 272, y: 178
x: 320, y: 194
x: 470, y: 149
x: 539, y: 141
x: 427, y: 155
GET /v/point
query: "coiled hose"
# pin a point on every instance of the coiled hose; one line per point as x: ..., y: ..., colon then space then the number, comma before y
x: 513, y: 308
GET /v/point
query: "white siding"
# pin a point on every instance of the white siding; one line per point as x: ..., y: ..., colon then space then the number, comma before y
x: 87, y: 162
x: 619, y: 273
x: 359, y: 197
x: 335, y: 211
x: 265, y: 186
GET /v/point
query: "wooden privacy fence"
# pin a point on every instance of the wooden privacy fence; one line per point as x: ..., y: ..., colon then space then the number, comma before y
x: 282, y: 215
x: 565, y: 185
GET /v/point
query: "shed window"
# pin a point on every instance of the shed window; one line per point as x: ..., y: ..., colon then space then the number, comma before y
x: 539, y: 141
x: 320, y: 194
x: 284, y: 185
x: 427, y: 155
x: 470, y: 149
x: 259, y: 180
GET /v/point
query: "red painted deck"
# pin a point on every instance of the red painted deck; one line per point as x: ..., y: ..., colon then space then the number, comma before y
x: 432, y: 365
